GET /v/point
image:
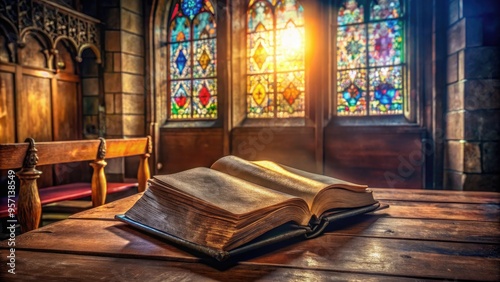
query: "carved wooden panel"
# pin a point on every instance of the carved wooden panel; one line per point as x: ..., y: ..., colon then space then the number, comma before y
x: 33, y: 55
x: 66, y: 111
x: 34, y: 109
x: 7, y: 113
x: 289, y: 146
x: 64, y: 59
x: 183, y: 149
x: 4, y: 51
x: 377, y: 157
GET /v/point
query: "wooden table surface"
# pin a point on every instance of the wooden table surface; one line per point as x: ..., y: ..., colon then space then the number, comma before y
x: 423, y: 235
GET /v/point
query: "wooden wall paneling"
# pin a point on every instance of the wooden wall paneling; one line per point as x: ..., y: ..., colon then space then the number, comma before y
x: 33, y: 53
x: 289, y: 146
x: 181, y: 149
x: 7, y: 110
x: 379, y: 158
x: 66, y: 111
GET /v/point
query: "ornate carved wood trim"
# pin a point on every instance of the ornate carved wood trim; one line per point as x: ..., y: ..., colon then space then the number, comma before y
x: 54, y: 22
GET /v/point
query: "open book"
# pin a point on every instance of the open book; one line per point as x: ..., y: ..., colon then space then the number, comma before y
x: 224, y: 208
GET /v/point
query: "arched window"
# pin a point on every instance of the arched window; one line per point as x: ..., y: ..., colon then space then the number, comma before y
x: 192, y: 83
x: 275, y: 59
x: 371, y: 68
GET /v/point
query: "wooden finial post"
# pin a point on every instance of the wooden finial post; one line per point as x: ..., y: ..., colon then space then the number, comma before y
x: 29, y: 209
x: 99, y: 186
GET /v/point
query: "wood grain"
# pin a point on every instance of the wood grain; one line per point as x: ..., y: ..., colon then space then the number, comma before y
x: 384, y: 256
x: 36, y: 266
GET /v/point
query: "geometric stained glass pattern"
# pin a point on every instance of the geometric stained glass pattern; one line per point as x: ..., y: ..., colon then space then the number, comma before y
x: 352, y: 92
x: 385, y: 43
x: 385, y: 9
x: 351, y: 46
x: 370, y: 58
x: 385, y: 90
x: 192, y: 60
x: 275, y: 59
x: 350, y: 12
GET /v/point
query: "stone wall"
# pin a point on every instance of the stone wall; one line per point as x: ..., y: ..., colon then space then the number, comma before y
x: 472, y: 111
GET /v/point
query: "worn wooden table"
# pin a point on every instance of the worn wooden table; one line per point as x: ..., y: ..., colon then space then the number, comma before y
x: 424, y: 235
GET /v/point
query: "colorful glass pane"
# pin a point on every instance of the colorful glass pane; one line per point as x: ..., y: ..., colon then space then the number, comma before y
x: 191, y: 7
x: 260, y: 17
x: 180, y: 54
x: 350, y: 12
x: 180, y: 29
x: 289, y: 11
x: 290, y: 48
x: 291, y: 98
x: 260, y: 101
x: 205, y: 98
x: 180, y: 99
x: 385, y: 43
x: 204, y: 58
x: 275, y: 52
x: 260, y: 49
x: 204, y: 26
x: 351, y: 46
x: 385, y: 9
x: 386, y: 86
x: 351, y: 92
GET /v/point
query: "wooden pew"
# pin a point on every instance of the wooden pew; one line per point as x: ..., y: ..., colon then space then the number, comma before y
x: 28, y: 155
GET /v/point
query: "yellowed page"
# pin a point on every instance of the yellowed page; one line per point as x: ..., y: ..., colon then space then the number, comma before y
x: 269, y: 174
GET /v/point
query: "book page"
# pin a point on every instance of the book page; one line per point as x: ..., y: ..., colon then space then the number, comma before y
x: 223, y: 191
x: 271, y: 175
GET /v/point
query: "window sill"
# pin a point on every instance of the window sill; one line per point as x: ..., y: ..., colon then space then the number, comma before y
x: 274, y: 122
x: 192, y: 124
x: 370, y: 121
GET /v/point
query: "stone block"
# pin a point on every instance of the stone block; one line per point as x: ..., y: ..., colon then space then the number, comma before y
x: 472, y: 157
x: 453, y: 12
x: 134, y: 125
x: 114, y: 125
x: 117, y: 62
x: 491, y: 157
x: 473, y: 8
x: 454, y: 180
x: 452, y: 68
x: 132, y: 43
x: 112, y: 41
x: 133, y: 83
x: 118, y: 97
x: 133, y: 5
x: 91, y: 105
x: 454, y: 125
x: 109, y: 100
x: 112, y: 82
x: 90, y: 86
x: 456, y: 36
x: 132, y: 64
x: 454, y: 159
x: 132, y: 22
x: 481, y: 182
x: 482, y: 125
x: 133, y: 104
x: 89, y: 67
x: 90, y: 127
x: 460, y: 65
x: 482, y: 94
x: 482, y: 63
x: 108, y: 62
x: 455, y: 97
x: 112, y: 18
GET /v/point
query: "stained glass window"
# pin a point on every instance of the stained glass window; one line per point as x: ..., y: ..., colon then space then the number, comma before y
x: 192, y: 60
x: 275, y: 59
x: 370, y: 57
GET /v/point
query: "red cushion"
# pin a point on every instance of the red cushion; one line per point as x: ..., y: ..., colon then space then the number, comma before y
x: 66, y: 192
